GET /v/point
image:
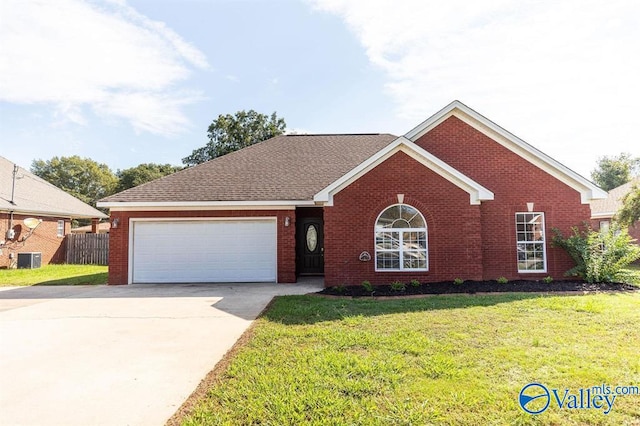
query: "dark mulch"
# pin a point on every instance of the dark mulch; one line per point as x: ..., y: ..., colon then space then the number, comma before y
x: 471, y: 287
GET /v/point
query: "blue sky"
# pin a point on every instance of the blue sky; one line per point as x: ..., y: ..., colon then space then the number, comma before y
x: 140, y: 81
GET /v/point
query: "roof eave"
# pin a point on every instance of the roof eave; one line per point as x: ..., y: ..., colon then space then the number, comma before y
x: 205, y: 205
x: 46, y: 213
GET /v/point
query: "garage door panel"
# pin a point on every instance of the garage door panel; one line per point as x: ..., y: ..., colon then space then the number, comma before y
x: 204, y: 251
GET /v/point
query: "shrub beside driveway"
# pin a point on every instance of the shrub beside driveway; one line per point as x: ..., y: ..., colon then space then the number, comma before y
x: 54, y: 275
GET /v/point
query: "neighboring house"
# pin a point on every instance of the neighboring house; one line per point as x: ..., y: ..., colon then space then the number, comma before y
x: 99, y: 228
x: 24, y: 195
x: 603, y: 211
x: 457, y: 196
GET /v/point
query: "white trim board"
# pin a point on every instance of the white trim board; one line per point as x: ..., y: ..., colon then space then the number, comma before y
x: 205, y: 205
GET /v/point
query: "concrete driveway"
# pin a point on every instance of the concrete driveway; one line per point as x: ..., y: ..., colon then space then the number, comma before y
x: 126, y: 355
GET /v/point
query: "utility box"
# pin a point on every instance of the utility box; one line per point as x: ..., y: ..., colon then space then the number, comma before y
x: 29, y: 260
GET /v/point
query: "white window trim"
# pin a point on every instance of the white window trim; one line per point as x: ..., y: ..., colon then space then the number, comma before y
x: 400, y: 250
x: 544, y: 244
x: 58, y: 231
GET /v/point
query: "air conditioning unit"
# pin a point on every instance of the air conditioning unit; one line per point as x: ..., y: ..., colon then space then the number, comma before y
x: 29, y: 260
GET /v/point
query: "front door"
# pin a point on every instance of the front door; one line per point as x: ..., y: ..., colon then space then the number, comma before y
x: 310, y: 245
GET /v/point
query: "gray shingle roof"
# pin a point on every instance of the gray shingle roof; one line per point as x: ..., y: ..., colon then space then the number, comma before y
x: 610, y: 205
x: 36, y: 196
x: 287, y: 167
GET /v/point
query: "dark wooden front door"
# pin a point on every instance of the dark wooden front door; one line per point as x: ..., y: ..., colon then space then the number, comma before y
x: 310, y: 245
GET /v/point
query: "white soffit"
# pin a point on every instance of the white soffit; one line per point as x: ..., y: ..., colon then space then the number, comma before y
x: 588, y: 190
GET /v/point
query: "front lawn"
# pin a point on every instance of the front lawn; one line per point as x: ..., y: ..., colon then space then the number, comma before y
x: 436, y: 360
x: 54, y: 275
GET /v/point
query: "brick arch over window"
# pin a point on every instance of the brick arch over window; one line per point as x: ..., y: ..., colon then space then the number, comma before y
x: 401, y: 239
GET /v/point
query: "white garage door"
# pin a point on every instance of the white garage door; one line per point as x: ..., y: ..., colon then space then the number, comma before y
x: 204, y: 251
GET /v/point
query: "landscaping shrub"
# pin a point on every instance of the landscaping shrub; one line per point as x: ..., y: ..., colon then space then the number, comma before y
x: 458, y: 281
x: 398, y: 286
x: 367, y: 286
x: 415, y: 283
x: 600, y: 256
x: 502, y: 280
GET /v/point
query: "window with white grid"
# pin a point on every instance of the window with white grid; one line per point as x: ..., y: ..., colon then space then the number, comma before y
x: 530, y: 242
x: 401, y: 240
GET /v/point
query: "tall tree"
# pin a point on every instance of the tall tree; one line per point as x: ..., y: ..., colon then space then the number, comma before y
x: 629, y: 214
x: 81, y: 177
x: 230, y: 133
x: 611, y: 172
x: 143, y: 173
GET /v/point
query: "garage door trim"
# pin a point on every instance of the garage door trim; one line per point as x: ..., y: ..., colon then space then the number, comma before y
x: 132, y: 222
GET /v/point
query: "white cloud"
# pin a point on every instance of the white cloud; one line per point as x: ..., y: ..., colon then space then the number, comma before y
x: 562, y: 74
x: 103, y: 55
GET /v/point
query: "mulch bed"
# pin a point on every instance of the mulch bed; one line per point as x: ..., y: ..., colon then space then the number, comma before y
x: 472, y: 287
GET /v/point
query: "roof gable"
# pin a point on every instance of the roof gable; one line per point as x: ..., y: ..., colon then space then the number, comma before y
x: 34, y: 195
x: 588, y: 190
x: 477, y: 192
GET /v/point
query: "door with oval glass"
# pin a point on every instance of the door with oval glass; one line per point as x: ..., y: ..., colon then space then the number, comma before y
x: 310, y: 246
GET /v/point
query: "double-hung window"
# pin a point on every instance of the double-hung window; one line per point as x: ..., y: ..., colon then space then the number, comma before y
x: 401, y: 240
x: 61, y: 228
x: 531, y: 242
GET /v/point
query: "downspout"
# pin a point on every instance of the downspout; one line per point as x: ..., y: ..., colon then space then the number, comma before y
x: 13, y: 186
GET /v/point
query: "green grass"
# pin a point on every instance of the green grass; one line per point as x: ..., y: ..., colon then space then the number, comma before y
x: 635, y: 270
x: 452, y: 360
x: 54, y: 275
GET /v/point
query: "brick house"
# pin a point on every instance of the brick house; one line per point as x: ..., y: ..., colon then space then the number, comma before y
x: 457, y: 196
x: 24, y: 195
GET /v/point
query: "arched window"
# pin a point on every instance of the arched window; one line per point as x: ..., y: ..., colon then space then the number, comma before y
x: 401, y: 240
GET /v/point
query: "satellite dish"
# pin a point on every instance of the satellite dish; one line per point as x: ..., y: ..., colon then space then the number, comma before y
x: 31, y: 222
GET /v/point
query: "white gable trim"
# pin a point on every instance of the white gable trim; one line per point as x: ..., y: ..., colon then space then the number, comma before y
x: 588, y: 190
x: 477, y: 192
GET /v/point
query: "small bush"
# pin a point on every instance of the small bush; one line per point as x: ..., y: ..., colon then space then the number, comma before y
x: 600, y: 256
x: 502, y: 280
x: 398, y: 286
x: 548, y: 279
x: 415, y: 283
x: 367, y: 286
x: 458, y: 281
x: 340, y: 288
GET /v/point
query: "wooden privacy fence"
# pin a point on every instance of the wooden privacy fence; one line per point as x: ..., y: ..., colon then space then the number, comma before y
x: 87, y: 249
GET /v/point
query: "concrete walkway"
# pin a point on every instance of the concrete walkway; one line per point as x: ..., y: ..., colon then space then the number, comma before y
x: 126, y: 355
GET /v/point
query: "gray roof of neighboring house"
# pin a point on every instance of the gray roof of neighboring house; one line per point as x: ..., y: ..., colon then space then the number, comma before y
x: 610, y: 205
x: 287, y: 167
x: 36, y: 196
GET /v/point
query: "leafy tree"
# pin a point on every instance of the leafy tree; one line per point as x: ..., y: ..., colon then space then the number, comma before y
x: 600, y: 256
x: 630, y: 211
x: 143, y: 173
x: 81, y: 177
x: 230, y: 133
x: 611, y: 172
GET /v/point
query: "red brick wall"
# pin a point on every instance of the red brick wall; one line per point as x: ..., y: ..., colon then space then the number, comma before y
x: 44, y: 239
x: 514, y: 181
x: 119, y: 238
x: 452, y: 225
